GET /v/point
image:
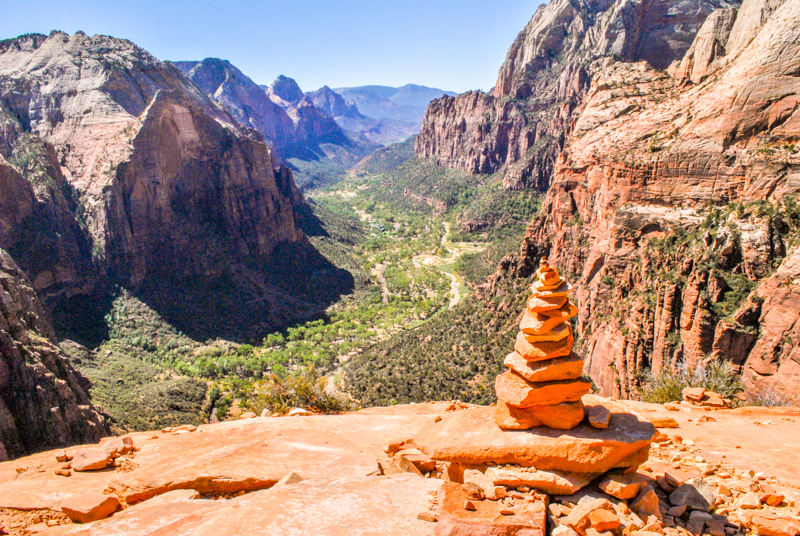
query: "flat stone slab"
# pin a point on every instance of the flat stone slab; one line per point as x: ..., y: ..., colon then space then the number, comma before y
x: 341, y: 507
x: 472, y: 437
x: 225, y: 457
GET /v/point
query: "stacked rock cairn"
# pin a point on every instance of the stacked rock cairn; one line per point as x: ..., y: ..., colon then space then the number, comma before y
x: 543, y: 385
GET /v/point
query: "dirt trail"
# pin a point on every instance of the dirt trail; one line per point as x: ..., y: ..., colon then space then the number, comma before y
x: 378, y: 272
x: 456, y: 250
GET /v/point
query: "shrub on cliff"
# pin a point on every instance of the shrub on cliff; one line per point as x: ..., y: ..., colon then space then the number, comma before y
x: 715, y: 375
x: 304, y: 388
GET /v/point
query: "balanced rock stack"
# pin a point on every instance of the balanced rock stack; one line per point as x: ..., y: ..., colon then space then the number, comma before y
x: 543, y: 385
x: 502, y: 462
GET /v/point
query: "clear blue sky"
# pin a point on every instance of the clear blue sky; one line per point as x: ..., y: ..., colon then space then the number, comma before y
x: 456, y: 45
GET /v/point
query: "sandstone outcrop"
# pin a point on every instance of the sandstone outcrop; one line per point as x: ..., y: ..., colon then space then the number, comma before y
x: 245, y: 100
x: 325, y: 490
x: 525, y: 123
x: 137, y: 178
x: 641, y: 207
x: 43, y: 400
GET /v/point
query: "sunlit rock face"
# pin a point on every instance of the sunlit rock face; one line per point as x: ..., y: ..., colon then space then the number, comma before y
x: 135, y: 177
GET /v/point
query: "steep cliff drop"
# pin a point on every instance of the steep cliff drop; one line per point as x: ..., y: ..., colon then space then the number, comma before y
x: 674, y: 206
x: 43, y: 400
x: 520, y: 128
x: 130, y: 176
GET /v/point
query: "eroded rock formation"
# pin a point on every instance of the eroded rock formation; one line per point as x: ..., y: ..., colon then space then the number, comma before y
x: 43, y: 400
x: 672, y: 202
x: 135, y: 177
x: 521, y: 127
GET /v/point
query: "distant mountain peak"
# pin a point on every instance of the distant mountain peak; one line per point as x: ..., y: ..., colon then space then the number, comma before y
x: 286, y: 89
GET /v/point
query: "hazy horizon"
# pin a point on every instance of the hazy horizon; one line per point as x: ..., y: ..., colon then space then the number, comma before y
x: 454, y: 45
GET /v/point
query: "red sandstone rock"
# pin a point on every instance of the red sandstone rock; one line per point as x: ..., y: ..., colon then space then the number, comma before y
x: 567, y: 367
x: 90, y: 507
x: 518, y: 392
x: 564, y: 416
x: 538, y: 304
x: 118, y: 446
x: 646, y: 503
x: 91, y: 460
x: 539, y: 324
x: 604, y: 520
x: 420, y: 460
x: 623, y: 487
x: 550, y: 482
x: 768, y: 524
x: 579, y: 518
x: 693, y: 394
x: 538, y: 351
x: 472, y: 437
x: 488, y: 518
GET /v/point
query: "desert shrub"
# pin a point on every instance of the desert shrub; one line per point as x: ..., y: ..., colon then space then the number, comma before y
x: 768, y: 399
x: 304, y: 388
x: 715, y: 375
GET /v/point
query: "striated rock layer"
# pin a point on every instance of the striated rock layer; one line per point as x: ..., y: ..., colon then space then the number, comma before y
x: 522, y: 126
x: 673, y: 205
x: 128, y: 174
x: 43, y: 400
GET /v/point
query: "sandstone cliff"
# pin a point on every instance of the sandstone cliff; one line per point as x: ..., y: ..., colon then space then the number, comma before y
x: 674, y: 203
x: 333, y: 104
x: 243, y: 98
x: 520, y: 128
x: 137, y: 178
x: 43, y: 400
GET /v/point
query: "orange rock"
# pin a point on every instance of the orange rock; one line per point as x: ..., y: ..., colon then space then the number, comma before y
x: 564, y: 416
x: 550, y: 482
x: 91, y: 460
x: 562, y: 290
x: 565, y: 313
x: 769, y: 524
x: 603, y: 520
x: 471, y: 437
x: 539, y: 324
x: 538, y: 304
x: 539, y: 351
x: 561, y: 331
x: 528, y: 519
x: 579, y: 519
x: 560, y: 368
x: 420, y: 460
x: 693, y: 394
x: 90, y: 507
x: 622, y: 486
x: 516, y: 391
x: 545, y: 286
x: 118, y: 446
x: 646, y: 503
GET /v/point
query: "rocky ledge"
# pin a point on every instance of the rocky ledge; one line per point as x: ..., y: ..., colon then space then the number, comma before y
x: 715, y: 472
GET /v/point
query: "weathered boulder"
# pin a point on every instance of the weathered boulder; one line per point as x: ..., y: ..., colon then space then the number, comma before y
x: 90, y: 507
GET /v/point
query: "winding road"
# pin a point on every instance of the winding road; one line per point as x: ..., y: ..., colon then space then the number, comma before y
x: 456, y: 250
